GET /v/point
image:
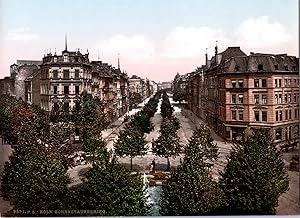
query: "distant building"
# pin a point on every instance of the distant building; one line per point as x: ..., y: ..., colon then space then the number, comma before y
x: 20, y: 81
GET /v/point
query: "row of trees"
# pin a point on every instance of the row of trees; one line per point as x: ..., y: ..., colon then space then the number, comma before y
x: 167, y: 143
x: 251, y: 183
x: 35, y: 179
x: 131, y: 140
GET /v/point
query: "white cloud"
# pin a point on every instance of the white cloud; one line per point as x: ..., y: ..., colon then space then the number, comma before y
x: 135, y: 48
x: 188, y: 42
x: 261, y: 32
x: 21, y: 34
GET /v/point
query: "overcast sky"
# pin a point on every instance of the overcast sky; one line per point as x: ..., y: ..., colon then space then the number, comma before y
x: 155, y: 38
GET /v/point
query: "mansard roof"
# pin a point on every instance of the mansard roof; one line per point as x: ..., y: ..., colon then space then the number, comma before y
x: 263, y: 63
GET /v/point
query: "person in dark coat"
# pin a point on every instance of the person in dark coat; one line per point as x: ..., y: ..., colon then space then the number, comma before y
x: 153, y: 165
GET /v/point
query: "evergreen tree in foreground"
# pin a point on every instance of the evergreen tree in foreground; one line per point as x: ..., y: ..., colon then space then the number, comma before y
x: 191, y: 190
x: 254, y: 177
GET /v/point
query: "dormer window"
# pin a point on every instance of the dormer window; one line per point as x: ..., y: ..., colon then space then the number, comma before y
x: 276, y: 66
x: 237, y: 68
x: 286, y: 67
x: 260, y: 67
x: 294, y: 68
x: 66, y: 58
x: 55, y: 59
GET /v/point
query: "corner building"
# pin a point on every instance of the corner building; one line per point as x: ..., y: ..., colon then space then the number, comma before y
x: 62, y: 79
x: 242, y: 93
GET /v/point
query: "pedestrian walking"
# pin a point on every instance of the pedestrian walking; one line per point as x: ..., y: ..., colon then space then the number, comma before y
x: 153, y: 165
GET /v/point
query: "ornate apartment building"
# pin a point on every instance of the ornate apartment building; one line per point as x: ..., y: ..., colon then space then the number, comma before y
x: 242, y: 93
x: 111, y: 86
x: 62, y: 79
x: 56, y: 82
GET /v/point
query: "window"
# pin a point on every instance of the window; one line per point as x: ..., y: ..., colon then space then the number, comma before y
x: 56, y: 107
x: 264, y: 116
x: 280, y: 99
x: 260, y: 67
x: 233, y: 83
x: 241, y: 115
x: 241, y: 99
x: 256, y: 83
x: 264, y: 99
x: 276, y: 98
x: 286, y: 67
x: 285, y: 82
x: 66, y: 90
x: 289, y: 97
x: 237, y: 67
x: 233, y: 98
x: 256, y: 99
x: 256, y: 115
x: 286, y: 114
x: 289, y: 82
x: 277, y: 115
x: 76, y: 74
x: 76, y: 90
x: 54, y: 90
x: 233, y: 115
x: 296, y: 113
x: 66, y: 59
x: 285, y: 98
x: 55, y: 59
x: 276, y: 83
x: 295, y: 98
x: 66, y: 74
x: 296, y: 132
x: 278, y: 134
x: 295, y: 68
x: 276, y: 66
x: 66, y: 107
x: 279, y: 82
x: 241, y: 83
x: 290, y: 114
x: 55, y: 74
x: 280, y: 115
x: 263, y: 83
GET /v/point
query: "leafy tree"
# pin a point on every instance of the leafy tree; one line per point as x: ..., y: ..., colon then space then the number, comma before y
x: 200, y: 146
x: 191, y: 190
x: 88, y: 117
x: 254, y: 177
x: 57, y: 143
x: 166, y: 107
x: 134, y: 99
x: 40, y: 185
x: 142, y: 121
x: 131, y: 142
x: 7, y: 105
x: 96, y: 151
x: 112, y: 191
x: 180, y: 95
x: 167, y: 143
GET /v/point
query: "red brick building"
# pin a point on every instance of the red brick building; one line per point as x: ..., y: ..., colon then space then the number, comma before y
x: 242, y: 93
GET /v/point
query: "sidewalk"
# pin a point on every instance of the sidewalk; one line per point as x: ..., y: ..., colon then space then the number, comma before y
x: 196, y: 121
